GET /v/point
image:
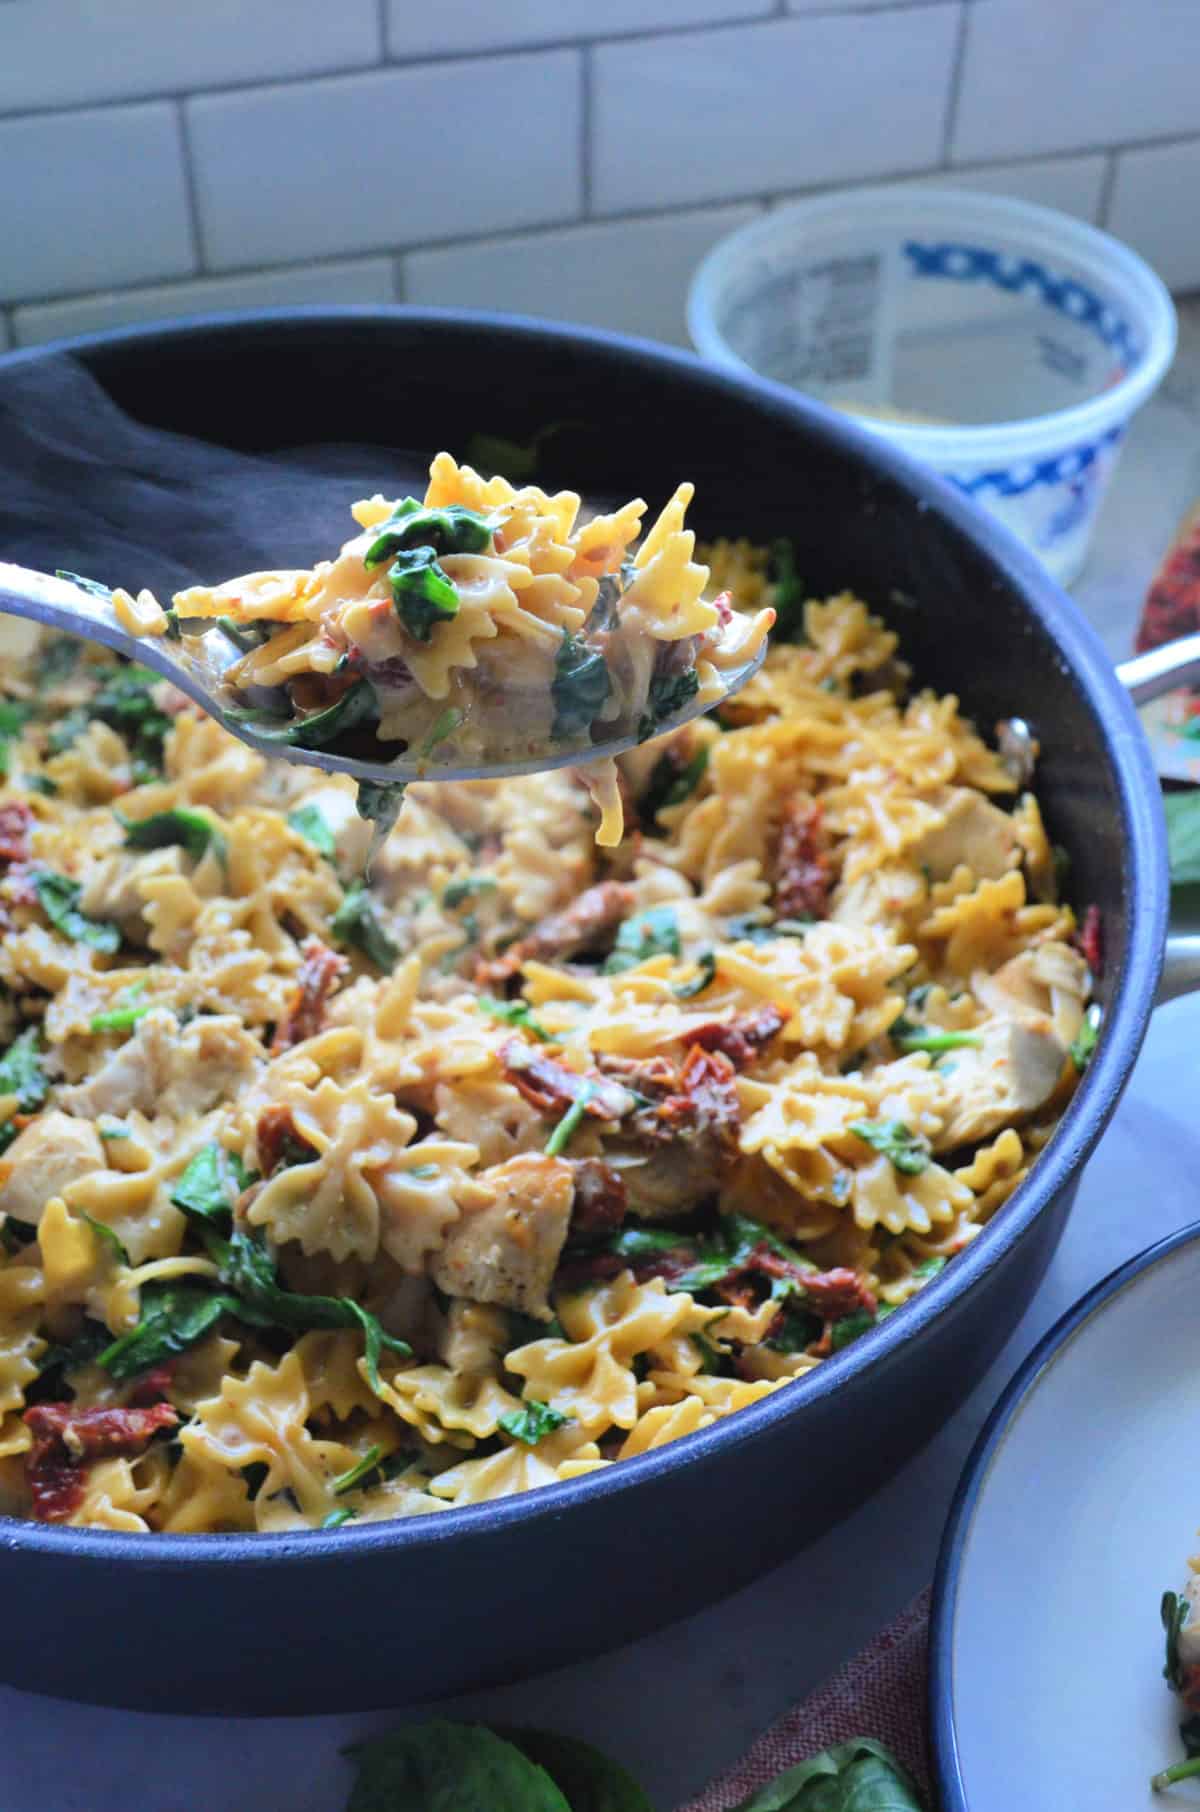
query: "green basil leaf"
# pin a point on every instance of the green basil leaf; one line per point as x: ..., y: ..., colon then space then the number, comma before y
x: 591, y: 1780
x: 211, y: 1184
x: 1182, y: 812
x: 580, y: 688
x: 859, y: 1776
x: 532, y: 1422
x: 308, y: 822
x: 356, y: 922
x: 654, y: 932
x: 444, y: 1767
x: 908, y: 1153
x: 173, y: 1317
x: 58, y: 897
x: 192, y: 830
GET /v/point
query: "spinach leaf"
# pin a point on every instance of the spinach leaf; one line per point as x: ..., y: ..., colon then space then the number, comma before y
x: 455, y: 893
x: 246, y: 636
x: 443, y: 726
x: 58, y: 897
x: 21, y: 1072
x: 85, y: 1349
x: 789, y: 592
x: 654, y: 932
x: 57, y: 660
x: 14, y: 715
x: 532, y: 1422
x: 106, y: 1235
x: 423, y: 595
x: 126, y: 704
x: 92, y: 586
x: 747, y: 927
x: 514, y: 1013
x: 444, y: 1767
x: 362, y: 1469
x: 211, y: 1184
x: 706, y: 969
x: 173, y: 1317
x: 858, y: 1776
x: 193, y: 831
x: 336, y: 1518
x: 1182, y: 812
x: 668, y: 694
x: 567, y: 1127
x: 125, y: 1012
x: 670, y: 784
x: 592, y: 1781
x: 66, y: 732
x: 379, y: 803
x: 452, y: 529
x: 357, y: 922
x: 797, y: 1331
x: 580, y: 687
x: 908, y: 1035
x: 1085, y: 1040
x: 929, y: 1267
x: 308, y: 822
x: 908, y: 1153
x: 849, y: 1328
x: 356, y: 706
x: 1173, y: 1610
x: 248, y: 1270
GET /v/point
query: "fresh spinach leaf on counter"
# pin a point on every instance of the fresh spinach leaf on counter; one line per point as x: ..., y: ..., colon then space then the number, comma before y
x: 58, y: 897
x: 592, y: 1781
x: 654, y: 932
x: 309, y: 822
x: 859, y: 1776
x: 444, y: 1767
x: 189, y: 829
x: 580, y: 687
x: 532, y: 1422
x: 357, y: 922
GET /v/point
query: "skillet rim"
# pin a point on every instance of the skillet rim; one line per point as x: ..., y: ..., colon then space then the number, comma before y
x: 1144, y: 900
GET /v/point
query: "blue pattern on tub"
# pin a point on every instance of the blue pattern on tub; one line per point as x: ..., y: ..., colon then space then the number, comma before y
x: 980, y: 264
x: 1028, y: 474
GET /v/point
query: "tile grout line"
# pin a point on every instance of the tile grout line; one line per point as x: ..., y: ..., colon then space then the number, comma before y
x: 954, y: 92
x: 191, y: 198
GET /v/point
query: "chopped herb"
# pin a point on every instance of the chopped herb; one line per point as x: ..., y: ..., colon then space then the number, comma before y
x: 106, y: 1235
x: 211, y: 1184
x: 92, y: 586
x: 347, y: 1481
x: 452, y: 529
x: 907, y: 1035
x: 706, y: 970
x: 1085, y: 1040
x: 667, y: 696
x: 894, y: 1140
x: 59, y: 900
x: 788, y: 596
x: 309, y: 822
x: 581, y: 686
x: 356, y: 922
x: 567, y: 1126
x: 336, y: 1518
x: 467, y: 888
x: 357, y: 706
x: 125, y: 1013
x: 532, y: 1422
x: 654, y: 932
x: 192, y: 830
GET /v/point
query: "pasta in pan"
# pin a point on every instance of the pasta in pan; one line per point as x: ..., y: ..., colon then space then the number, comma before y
x: 327, y: 1201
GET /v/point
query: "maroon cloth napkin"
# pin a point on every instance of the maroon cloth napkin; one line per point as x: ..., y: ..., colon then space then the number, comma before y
x: 881, y: 1693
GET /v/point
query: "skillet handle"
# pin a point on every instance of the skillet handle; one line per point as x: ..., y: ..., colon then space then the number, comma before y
x: 1144, y: 677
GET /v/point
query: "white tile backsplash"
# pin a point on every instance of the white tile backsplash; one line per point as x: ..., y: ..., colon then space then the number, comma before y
x: 353, y: 280
x: 1064, y: 75
x: 390, y: 159
x: 631, y: 275
x: 531, y: 157
x: 59, y: 53
x: 92, y: 199
x: 458, y: 26
x: 1154, y: 208
x: 730, y: 113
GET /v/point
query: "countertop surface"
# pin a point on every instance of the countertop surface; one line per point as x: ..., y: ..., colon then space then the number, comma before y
x: 682, y: 1704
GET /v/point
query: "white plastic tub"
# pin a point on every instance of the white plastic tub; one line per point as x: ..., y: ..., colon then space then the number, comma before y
x: 1003, y: 344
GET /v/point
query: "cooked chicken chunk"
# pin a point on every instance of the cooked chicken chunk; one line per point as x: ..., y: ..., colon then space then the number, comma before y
x: 973, y: 833
x: 163, y: 1070
x: 1011, y: 1072
x: 507, y: 1252
x: 51, y: 1152
x: 1046, y: 983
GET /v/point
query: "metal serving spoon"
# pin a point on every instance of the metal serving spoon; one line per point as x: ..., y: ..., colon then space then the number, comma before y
x: 197, y: 668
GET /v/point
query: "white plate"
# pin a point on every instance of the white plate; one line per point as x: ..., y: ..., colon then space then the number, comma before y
x: 1077, y: 1510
